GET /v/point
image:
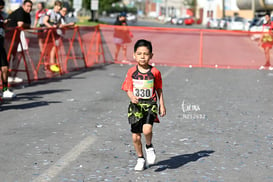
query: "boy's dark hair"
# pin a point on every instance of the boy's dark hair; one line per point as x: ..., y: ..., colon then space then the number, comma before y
x: 145, y: 43
x: 58, y: 3
x: 27, y: 1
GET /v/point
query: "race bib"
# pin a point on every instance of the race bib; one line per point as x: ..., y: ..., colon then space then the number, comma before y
x: 143, y: 88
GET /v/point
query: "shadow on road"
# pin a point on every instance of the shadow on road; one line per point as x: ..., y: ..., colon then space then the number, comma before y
x: 40, y: 92
x: 27, y: 105
x: 30, y: 96
x: 180, y: 160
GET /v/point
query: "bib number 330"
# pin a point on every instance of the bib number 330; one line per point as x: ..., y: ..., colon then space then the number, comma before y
x: 143, y: 88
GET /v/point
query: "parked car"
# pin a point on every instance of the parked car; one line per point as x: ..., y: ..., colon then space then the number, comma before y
x: 235, y: 23
x: 185, y: 21
x: 256, y: 26
x: 131, y: 17
x: 174, y: 20
x: 189, y: 21
x: 213, y: 23
x: 254, y: 22
x: 180, y: 21
x: 224, y: 21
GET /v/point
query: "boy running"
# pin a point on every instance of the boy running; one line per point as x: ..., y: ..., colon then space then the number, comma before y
x: 143, y: 83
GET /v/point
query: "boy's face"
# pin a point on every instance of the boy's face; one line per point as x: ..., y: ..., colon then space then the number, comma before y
x: 57, y: 8
x: 63, y: 11
x: 142, y: 56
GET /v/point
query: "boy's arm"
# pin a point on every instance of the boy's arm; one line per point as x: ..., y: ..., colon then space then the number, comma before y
x: 133, y: 98
x: 162, y: 109
x: 45, y: 20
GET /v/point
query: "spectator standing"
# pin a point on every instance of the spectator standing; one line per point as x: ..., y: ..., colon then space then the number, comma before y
x: 6, y: 93
x: 53, y: 20
x: 19, y: 18
x: 266, y: 42
x: 64, y: 22
x: 39, y: 22
x: 122, y: 36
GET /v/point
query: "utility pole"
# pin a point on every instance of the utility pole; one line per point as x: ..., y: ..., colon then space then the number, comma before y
x: 166, y: 8
x: 224, y: 9
x: 253, y: 7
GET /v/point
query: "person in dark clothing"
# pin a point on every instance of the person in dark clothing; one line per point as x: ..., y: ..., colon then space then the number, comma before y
x: 21, y: 16
x: 21, y: 19
x: 122, y: 36
x: 6, y: 93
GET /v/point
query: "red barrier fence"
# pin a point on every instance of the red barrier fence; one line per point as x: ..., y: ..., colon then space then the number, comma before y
x: 76, y: 48
x: 82, y: 47
x: 192, y: 47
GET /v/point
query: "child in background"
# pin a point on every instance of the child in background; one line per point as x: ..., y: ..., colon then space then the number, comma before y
x: 122, y: 36
x: 53, y: 20
x: 143, y: 83
x: 266, y: 42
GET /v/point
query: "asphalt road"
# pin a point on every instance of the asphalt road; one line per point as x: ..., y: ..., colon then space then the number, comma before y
x: 74, y: 128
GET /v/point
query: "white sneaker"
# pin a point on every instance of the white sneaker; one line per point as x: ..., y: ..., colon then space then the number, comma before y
x: 150, y: 154
x: 15, y: 80
x: 270, y: 68
x: 8, y: 94
x: 10, y: 79
x: 140, y: 164
x: 261, y: 68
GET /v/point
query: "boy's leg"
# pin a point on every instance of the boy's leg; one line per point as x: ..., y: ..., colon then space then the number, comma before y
x: 137, y: 144
x: 124, y: 48
x: 267, y: 56
x: 147, y: 131
x: 41, y: 44
x: 116, y: 52
x: 52, y: 55
x: 138, y: 147
x: 150, y: 151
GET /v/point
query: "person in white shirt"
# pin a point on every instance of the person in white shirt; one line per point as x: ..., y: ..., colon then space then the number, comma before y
x: 53, y: 20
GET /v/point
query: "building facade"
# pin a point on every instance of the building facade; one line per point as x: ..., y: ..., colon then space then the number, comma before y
x: 207, y: 9
x: 260, y: 5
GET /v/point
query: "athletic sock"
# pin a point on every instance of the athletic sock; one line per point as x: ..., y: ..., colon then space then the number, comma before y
x: 149, y: 146
x: 5, y: 88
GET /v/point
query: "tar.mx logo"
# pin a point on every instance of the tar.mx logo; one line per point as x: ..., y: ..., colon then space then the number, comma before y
x: 191, y: 111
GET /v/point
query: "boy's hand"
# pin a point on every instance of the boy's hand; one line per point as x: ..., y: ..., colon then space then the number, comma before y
x: 134, y: 99
x: 162, y: 110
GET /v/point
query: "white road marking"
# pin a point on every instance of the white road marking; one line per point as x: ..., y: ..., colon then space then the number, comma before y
x: 72, y: 155
x: 168, y: 72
